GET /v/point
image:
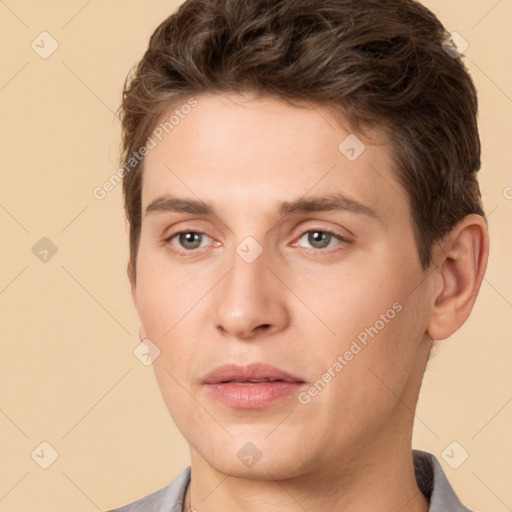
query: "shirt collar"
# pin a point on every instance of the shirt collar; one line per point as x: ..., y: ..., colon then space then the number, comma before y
x: 433, y: 483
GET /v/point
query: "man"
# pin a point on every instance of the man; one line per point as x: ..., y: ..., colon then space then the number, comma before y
x: 305, y: 219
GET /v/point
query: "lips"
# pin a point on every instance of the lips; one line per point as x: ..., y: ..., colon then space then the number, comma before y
x: 256, y: 372
x: 254, y: 386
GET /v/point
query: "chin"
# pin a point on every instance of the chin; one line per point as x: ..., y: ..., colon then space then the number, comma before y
x: 254, y: 461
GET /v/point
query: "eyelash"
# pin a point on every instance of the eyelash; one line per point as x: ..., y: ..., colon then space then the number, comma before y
x: 327, y: 250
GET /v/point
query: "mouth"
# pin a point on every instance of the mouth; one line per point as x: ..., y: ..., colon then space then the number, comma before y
x: 253, y: 386
x: 249, y: 382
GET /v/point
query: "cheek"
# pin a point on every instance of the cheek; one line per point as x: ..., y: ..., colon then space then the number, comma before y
x: 163, y: 298
x: 393, y: 328
x: 376, y: 316
x: 171, y: 304
x: 353, y: 299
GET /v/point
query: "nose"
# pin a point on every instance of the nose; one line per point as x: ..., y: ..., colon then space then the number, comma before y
x: 250, y: 300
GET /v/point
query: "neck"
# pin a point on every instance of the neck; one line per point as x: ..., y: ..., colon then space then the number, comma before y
x: 371, y: 481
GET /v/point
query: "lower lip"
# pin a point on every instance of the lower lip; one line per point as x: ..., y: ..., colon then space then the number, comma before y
x: 252, y: 396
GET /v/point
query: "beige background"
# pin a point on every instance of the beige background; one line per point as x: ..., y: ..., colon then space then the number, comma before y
x: 68, y: 327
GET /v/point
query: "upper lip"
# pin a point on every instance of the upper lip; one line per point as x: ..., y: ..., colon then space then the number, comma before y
x: 254, y: 371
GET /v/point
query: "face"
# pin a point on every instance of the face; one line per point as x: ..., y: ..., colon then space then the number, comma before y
x: 269, y: 247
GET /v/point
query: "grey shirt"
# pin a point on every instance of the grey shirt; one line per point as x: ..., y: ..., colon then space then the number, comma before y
x: 428, y: 472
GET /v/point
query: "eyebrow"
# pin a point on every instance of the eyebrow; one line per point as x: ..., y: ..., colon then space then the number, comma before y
x: 331, y: 202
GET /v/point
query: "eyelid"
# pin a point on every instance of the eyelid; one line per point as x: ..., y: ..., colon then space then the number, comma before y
x: 181, y: 231
x: 314, y: 226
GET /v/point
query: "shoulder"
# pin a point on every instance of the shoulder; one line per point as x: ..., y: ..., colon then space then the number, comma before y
x: 151, y: 502
x: 169, y: 498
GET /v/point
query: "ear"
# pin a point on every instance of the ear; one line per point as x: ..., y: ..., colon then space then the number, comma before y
x: 460, y: 261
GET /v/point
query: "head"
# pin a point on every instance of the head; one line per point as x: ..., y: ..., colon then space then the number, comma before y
x: 322, y: 157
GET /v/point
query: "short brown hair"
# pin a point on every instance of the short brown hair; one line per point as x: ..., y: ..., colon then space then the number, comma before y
x: 382, y: 62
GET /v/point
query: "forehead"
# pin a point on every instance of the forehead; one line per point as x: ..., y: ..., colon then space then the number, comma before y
x: 231, y: 149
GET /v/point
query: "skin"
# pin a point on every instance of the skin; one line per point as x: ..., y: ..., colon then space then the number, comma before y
x: 298, y: 306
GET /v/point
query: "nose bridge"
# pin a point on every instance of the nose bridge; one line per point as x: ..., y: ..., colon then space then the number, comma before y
x: 247, y: 298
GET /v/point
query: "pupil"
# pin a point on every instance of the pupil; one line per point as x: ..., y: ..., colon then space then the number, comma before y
x: 319, y: 239
x: 189, y: 239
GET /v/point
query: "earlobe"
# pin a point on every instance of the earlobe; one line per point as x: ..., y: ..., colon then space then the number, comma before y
x: 460, y: 261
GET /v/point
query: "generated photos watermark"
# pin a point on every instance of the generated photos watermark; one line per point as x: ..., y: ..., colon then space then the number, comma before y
x: 152, y: 141
x: 356, y: 346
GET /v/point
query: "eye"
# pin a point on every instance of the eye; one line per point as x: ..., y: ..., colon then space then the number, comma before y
x: 188, y: 240
x: 321, y: 239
